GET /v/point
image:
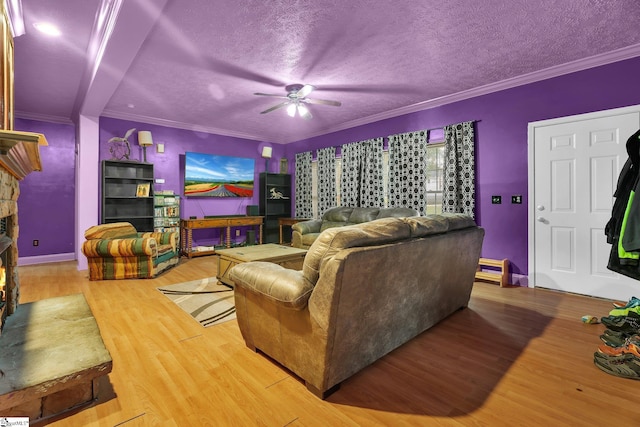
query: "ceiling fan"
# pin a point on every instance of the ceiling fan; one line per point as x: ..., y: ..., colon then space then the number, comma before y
x: 296, y: 98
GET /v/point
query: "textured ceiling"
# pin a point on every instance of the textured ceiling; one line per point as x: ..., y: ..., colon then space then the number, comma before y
x: 195, y: 64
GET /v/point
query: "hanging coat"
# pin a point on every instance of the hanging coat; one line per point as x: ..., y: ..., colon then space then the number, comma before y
x: 623, y: 229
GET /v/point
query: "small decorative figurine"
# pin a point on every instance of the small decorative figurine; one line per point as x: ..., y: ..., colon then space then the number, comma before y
x: 275, y: 194
x: 120, y: 148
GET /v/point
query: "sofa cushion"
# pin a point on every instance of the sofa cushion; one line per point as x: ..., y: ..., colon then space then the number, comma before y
x: 331, y: 241
x: 438, y: 223
x: 115, y: 230
x: 426, y: 225
x: 308, y: 239
x: 164, y: 253
x: 337, y: 214
x: 360, y: 215
x: 396, y: 212
x: 458, y: 221
x: 331, y: 224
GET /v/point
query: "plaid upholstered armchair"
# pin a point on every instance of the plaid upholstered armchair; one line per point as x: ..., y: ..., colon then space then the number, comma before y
x: 119, y: 251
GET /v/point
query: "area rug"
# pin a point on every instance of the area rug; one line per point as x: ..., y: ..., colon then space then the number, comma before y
x: 205, y: 300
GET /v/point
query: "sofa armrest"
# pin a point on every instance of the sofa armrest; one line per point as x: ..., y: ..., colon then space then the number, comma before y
x: 164, y: 238
x: 112, y: 248
x: 311, y: 226
x: 274, y: 282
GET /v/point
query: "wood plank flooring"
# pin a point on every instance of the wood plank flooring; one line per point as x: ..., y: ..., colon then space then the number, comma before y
x: 515, y: 356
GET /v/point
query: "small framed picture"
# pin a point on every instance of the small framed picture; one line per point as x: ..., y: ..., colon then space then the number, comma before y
x: 284, y: 165
x: 143, y: 190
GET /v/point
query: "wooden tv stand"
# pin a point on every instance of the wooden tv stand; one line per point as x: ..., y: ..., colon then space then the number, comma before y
x: 188, y: 225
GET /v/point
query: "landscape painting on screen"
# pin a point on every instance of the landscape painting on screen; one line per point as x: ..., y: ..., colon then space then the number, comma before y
x: 211, y: 175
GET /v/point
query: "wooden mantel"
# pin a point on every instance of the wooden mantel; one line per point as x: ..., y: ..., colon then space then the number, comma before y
x: 20, y: 152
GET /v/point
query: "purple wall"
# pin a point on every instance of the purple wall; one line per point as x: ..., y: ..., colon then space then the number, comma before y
x: 170, y: 165
x: 501, y: 134
x: 501, y: 141
x: 46, y: 205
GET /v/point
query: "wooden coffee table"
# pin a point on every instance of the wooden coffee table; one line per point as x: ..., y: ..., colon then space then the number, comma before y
x: 286, y: 256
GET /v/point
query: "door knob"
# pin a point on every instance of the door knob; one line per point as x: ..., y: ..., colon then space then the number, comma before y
x: 540, y: 208
x: 540, y: 219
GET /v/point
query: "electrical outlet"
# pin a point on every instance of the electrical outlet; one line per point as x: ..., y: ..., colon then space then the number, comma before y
x: 496, y: 200
x: 516, y: 200
x: 36, y: 242
x: 237, y: 233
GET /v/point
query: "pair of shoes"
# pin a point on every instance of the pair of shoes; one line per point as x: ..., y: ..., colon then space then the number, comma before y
x: 629, y: 323
x: 615, y: 338
x: 631, y: 347
x: 633, y: 301
x: 625, y: 366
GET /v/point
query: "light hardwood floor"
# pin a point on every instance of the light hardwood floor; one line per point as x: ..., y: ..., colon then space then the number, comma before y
x: 515, y: 356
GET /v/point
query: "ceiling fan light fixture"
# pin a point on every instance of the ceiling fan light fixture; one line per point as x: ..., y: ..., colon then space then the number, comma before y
x: 304, y: 111
x: 291, y: 110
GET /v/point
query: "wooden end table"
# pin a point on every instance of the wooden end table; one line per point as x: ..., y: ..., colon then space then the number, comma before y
x: 286, y: 256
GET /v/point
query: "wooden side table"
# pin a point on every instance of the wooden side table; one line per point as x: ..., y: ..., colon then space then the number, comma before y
x: 288, y: 222
x: 188, y: 225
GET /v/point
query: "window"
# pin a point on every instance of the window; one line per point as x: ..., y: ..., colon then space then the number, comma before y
x: 435, y: 177
x: 434, y: 183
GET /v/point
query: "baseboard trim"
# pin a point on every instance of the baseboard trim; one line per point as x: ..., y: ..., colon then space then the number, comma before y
x: 44, y: 259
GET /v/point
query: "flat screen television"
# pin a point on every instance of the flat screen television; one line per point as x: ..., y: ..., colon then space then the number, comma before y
x: 211, y: 175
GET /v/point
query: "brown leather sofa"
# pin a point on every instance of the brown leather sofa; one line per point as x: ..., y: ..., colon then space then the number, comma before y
x: 306, y: 232
x: 364, y: 290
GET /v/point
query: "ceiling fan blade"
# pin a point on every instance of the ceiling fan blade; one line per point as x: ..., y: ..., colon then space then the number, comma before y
x: 356, y: 88
x: 323, y: 102
x: 275, y: 107
x: 306, y: 90
x: 239, y: 72
x: 270, y: 94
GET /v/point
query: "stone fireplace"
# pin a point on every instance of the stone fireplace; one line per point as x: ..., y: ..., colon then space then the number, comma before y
x: 9, y: 280
x: 19, y: 156
x: 52, y: 357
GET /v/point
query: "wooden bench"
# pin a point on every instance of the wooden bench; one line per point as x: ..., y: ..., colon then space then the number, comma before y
x: 51, y: 358
x: 499, y: 271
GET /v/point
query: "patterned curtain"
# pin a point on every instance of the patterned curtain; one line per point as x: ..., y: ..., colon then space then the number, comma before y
x: 326, y: 179
x: 407, y: 170
x: 361, y: 183
x: 304, y: 202
x: 459, y: 191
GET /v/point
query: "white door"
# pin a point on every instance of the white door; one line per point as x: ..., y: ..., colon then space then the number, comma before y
x: 575, y: 162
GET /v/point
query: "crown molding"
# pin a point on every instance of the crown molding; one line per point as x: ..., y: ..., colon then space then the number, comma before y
x: 178, y: 125
x: 42, y: 117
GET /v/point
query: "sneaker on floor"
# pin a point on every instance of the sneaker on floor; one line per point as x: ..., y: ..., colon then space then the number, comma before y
x: 625, y: 366
x: 631, y: 303
x: 629, y: 348
x: 615, y: 338
x: 629, y: 323
x: 623, y: 311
